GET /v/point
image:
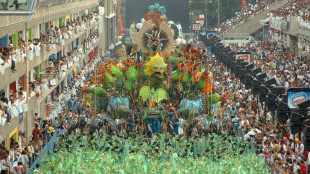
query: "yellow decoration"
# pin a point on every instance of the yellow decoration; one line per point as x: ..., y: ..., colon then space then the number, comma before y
x: 75, y: 71
x: 68, y: 17
x: 156, y: 64
x: 13, y: 134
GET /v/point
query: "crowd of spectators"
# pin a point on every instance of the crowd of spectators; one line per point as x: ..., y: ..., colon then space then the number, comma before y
x: 11, y: 54
x: 21, y: 155
x: 246, y: 117
x: 283, y: 151
x: 16, y: 103
x: 18, y: 158
x: 245, y: 15
x: 293, y: 7
x: 299, y: 8
x: 278, y: 61
x: 304, y: 45
x: 9, y: 108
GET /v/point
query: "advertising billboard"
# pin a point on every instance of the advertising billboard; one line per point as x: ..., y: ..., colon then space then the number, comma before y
x: 275, y: 25
x: 196, y: 27
x: 246, y: 56
x: 214, y: 33
x: 296, y: 96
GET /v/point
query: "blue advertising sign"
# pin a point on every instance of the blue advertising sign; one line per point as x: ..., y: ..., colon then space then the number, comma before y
x: 214, y: 33
x: 296, y: 96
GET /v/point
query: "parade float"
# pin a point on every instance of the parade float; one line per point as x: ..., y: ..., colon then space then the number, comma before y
x: 156, y: 77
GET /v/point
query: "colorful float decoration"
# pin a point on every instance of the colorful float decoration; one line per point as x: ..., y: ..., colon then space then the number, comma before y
x: 153, y: 31
x: 148, y: 86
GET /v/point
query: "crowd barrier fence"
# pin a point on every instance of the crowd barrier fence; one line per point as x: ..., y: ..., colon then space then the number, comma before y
x: 48, y: 148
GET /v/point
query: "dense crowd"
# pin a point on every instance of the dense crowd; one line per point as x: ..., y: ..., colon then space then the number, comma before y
x: 278, y: 61
x: 273, y: 140
x: 298, y: 8
x: 11, y: 54
x: 22, y: 155
x: 16, y: 103
x: 293, y: 7
x: 245, y: 15
x: 304, y: 45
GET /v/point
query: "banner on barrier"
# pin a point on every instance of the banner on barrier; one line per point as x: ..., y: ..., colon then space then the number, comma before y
x: 275, y: 25
x: 246, y: 56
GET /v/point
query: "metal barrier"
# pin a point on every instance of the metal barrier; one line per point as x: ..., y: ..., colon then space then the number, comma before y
x: 48, y: 148
x: 75, y: 107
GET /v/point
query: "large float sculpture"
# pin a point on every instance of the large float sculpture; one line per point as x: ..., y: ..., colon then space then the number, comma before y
x: 163, y: 77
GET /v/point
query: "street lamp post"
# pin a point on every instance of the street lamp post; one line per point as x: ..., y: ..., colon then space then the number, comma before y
x: 206, y: 2
x: 218, y: 12
x: 191, y: 14
x: 218, y: 18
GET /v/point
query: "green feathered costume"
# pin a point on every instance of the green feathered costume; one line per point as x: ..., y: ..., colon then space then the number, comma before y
x: 160, y: 154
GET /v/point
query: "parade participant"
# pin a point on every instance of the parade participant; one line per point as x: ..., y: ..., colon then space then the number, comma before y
x: 236, y: 125
x: 117, y: 121
x: 180, y: 125
x: 201, y: 121
x: 173, y: 119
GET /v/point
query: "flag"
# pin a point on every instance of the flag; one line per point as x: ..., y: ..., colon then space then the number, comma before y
x: 31, y: 11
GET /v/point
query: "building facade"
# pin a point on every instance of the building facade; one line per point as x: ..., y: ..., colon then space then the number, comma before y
x: 39, y: 57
